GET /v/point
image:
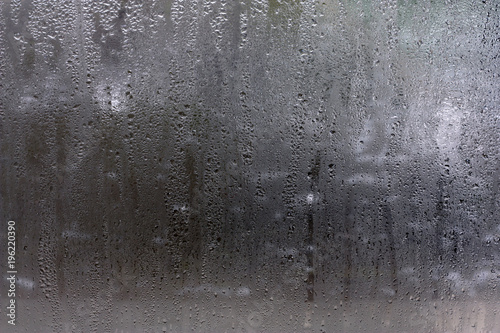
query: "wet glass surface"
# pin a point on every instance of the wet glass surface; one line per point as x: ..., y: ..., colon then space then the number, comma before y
x: 251, y: 166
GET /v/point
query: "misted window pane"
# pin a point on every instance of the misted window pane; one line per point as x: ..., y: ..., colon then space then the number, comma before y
x: 250, y: 166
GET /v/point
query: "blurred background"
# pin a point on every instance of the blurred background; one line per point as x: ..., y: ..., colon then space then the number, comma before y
x: 251, y: 166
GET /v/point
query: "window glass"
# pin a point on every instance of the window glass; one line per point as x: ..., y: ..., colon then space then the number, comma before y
x: 250, y: 166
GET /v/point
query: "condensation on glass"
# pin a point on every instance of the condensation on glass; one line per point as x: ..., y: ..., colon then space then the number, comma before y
x: 251, y: 166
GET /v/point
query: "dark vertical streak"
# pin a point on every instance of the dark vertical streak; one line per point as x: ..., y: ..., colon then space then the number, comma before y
x: 310, y: 255
x: 389, y: 231
x: 310, y: 248
x: 194, y: 232
x: 347, y: 245
x: 438, y: 234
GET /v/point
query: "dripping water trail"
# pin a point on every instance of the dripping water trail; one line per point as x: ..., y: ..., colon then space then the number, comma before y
x: 314, y: 176
x: 389, y: 226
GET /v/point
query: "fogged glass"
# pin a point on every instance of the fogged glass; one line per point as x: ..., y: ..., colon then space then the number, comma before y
x: 251, y: 166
